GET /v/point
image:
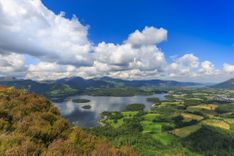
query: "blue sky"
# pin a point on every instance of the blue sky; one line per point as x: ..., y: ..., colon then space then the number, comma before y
x: 203, y: 28
x: 184, y: 40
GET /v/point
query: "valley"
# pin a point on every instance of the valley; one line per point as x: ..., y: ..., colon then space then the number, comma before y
x: 88, y: 118
x: 189, y: 121
x: 116, y: 78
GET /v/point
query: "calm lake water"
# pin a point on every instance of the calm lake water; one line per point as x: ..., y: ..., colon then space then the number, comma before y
x: 89, y: 117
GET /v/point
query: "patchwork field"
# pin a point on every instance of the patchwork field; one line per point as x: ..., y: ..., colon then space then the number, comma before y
x: 188, y: 117
x: 217, y: 123
x: 151, y: 116
x: 169, y: 103
x: 179, y: 125
x: 186, y: 131
x: 129, y: 114
x: 203, y: 106
x: 114, y: 123
x: 155, y: 130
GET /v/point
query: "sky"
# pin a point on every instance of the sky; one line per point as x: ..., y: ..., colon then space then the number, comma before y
x: 184, y: 40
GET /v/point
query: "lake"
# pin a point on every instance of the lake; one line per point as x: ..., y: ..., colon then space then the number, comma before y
x: 88, y: 118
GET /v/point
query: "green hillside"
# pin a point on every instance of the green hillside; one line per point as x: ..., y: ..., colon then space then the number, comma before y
x: 229, y: 84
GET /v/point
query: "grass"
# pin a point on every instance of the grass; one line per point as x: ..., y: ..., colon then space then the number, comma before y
x: 155, y: 129
x: 217, y: 123
x: 230, y: 121
x: 189, y: 117
x: 196, y: 99
x: 186, y: 131
x: 129, y: 114
x: 120, y: 122
x: 115, y: 124
x: 203, y: 106
x: 150, y: 116
x: 200, y: 94
x: 164, y: 138
x: 166, y: 103
x: 151, y: 127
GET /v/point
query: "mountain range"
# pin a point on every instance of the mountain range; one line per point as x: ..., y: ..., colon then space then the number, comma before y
x: 81, y: 83
x: 75, y: 85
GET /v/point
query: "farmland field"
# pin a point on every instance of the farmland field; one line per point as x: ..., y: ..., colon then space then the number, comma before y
x: 173, y: 122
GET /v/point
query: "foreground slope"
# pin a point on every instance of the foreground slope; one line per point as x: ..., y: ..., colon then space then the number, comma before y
x: 31, y: 125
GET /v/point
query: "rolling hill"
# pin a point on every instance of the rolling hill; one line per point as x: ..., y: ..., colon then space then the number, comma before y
x: 229, y: 84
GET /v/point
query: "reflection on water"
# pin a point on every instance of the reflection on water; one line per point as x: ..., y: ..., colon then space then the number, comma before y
x: 90, y: 117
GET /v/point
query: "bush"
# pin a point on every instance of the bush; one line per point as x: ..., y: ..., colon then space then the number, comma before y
x: 225, y: 108
x: 211, y: 141
x: 135, y: 107
x: 133, y: 124
x: 154, y: 100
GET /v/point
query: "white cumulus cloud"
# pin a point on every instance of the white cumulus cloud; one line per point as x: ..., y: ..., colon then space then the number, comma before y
x: 11, y: 64
x: 28, y: 27
x: 228, y: 68
x: 149, y: 36
x: 62, y: 49
x: 144, y: 56
x: 49, y: 71
x: 207, y: 68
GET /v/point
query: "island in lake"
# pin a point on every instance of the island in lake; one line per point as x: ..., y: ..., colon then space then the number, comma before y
x: 86, y: 107
x: 80, y: 100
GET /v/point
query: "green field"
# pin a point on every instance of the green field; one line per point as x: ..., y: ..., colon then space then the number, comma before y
x: 217, y: 123
x: 176, y: 126
x: 189, y: 117
x: 186, y: 131
x: 115, y: 124
x: 150, y: 116
x: 155, y: 130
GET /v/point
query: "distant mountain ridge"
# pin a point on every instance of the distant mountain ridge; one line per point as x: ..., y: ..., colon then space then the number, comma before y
x: 75, y: 85
x: 7, y: 78
x: 81, y: 83
x: 229, y: 84
x: 155, y: 82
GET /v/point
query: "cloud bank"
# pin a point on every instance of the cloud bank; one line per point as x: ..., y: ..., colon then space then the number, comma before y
x: 28, y: 27
x: 63, y: 49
